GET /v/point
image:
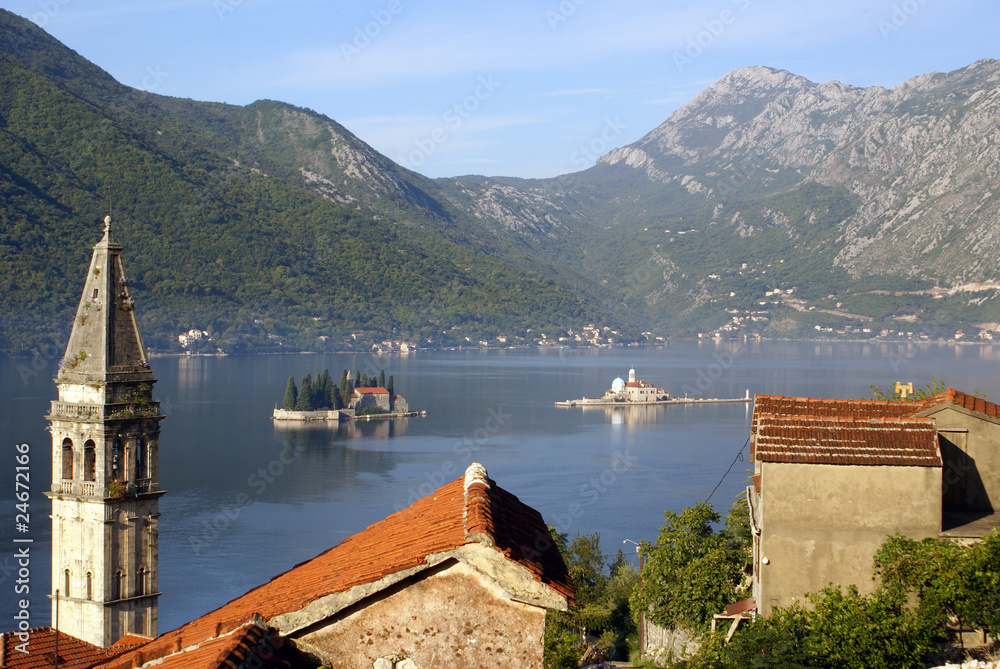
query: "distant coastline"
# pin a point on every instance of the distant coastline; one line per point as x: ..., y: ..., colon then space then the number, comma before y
x: 819, y: 340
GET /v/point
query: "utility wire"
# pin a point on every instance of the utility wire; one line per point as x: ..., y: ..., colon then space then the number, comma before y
x: 739, y: 456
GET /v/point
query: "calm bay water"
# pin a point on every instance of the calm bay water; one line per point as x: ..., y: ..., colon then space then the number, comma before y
x: 247, y: 501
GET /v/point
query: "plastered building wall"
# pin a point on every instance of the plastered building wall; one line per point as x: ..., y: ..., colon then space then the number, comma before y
x: 822, y: 524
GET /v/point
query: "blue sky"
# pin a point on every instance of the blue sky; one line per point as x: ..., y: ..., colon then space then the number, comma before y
x: 517, y: 88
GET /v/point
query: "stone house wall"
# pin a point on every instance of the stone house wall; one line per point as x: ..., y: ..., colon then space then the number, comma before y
x: 449, y: 617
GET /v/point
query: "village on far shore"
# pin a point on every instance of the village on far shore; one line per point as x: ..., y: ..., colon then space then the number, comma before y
x: 321, y: 401
x: 639, y: 392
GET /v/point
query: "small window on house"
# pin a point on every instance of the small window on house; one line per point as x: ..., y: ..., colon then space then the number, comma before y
x: 90, y: 585
x: 67, y: 459
x: 66, y: 580
x: 95, y: 295
x: 89, y: 461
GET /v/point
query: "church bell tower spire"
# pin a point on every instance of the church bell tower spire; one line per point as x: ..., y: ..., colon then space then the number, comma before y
x: 105, y: 490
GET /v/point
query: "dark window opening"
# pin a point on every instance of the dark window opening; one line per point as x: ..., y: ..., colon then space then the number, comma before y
x: 67, y: 459
x: 89, y: 461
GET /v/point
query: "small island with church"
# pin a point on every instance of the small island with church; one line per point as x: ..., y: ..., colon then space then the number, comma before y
x: 357, y: 397
x: 638, y: 392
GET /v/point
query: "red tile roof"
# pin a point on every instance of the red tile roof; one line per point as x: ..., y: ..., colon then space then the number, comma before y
x: 131, y: 641
x: 809, y: 406
x: 909, y: 441
x: 371, y: 391
x: 251, y: 645
x: 467, y: 510
x: 957, y: 397
x: 73, y: 653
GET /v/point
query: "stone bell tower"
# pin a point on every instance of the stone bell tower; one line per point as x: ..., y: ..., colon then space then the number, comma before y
x: 105, y: 493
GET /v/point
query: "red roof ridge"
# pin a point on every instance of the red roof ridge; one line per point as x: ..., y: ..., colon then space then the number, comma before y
x: 477, y: 516
x: 377, y: 391
x: 860, y: 419
x: 833, y: 400
x: 960, y: 399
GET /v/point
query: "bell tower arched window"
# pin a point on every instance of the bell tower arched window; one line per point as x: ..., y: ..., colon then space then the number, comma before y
x: 118, y: 461
x: 67, y: 459
x: 89, y: 461
x: 90, y: 585
x: 140, y: 458
x: 66, y: 582
x: 141, y: 583
x: 118, y: 585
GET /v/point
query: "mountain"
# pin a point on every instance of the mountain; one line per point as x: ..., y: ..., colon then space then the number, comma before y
x: 267, y: 225
x: 768, y: 204
x: 881, y: 199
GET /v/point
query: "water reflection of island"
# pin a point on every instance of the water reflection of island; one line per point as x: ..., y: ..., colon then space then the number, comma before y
x: 630, y: 415
x: 350, y: 429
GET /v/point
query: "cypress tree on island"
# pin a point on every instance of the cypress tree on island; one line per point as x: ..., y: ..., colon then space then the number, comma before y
x: 291, y: 393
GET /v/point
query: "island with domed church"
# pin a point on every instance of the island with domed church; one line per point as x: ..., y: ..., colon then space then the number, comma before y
x: 639, y: 392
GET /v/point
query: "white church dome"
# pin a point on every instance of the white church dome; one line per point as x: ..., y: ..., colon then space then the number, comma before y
x: 618, y: 385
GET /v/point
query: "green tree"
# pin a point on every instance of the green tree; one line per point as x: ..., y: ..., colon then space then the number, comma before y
x: 840, y: 631
x: 291, y: 393
x: 866, y: 632
x: 324, y: 391
x: 392, y: 386
x: 983, y: 602
x: 601, y: 606
x: 948, y: 580
x: 306, y: 394
x: 693, y: 572
x: 345, y: 394
x: 381, y: 378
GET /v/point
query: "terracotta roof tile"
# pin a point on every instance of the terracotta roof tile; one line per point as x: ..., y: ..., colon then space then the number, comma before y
x: 371, y: 391
x: 810, y: 406
x: 466, y: 510
x: 73, y: 653
x: 907, y: 441
x: 964, y: 400
x: 131, y: 641
x: 249, y: 646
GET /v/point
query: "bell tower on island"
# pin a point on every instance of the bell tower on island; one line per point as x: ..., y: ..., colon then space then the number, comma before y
x: 105, y: 489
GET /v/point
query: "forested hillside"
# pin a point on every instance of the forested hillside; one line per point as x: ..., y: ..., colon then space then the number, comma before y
x: 229, y: 221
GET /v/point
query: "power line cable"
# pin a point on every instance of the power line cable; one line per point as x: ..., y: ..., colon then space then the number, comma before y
x: 739, y: 456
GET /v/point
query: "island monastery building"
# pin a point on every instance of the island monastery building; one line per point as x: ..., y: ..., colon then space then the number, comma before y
x: 634, y: 390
